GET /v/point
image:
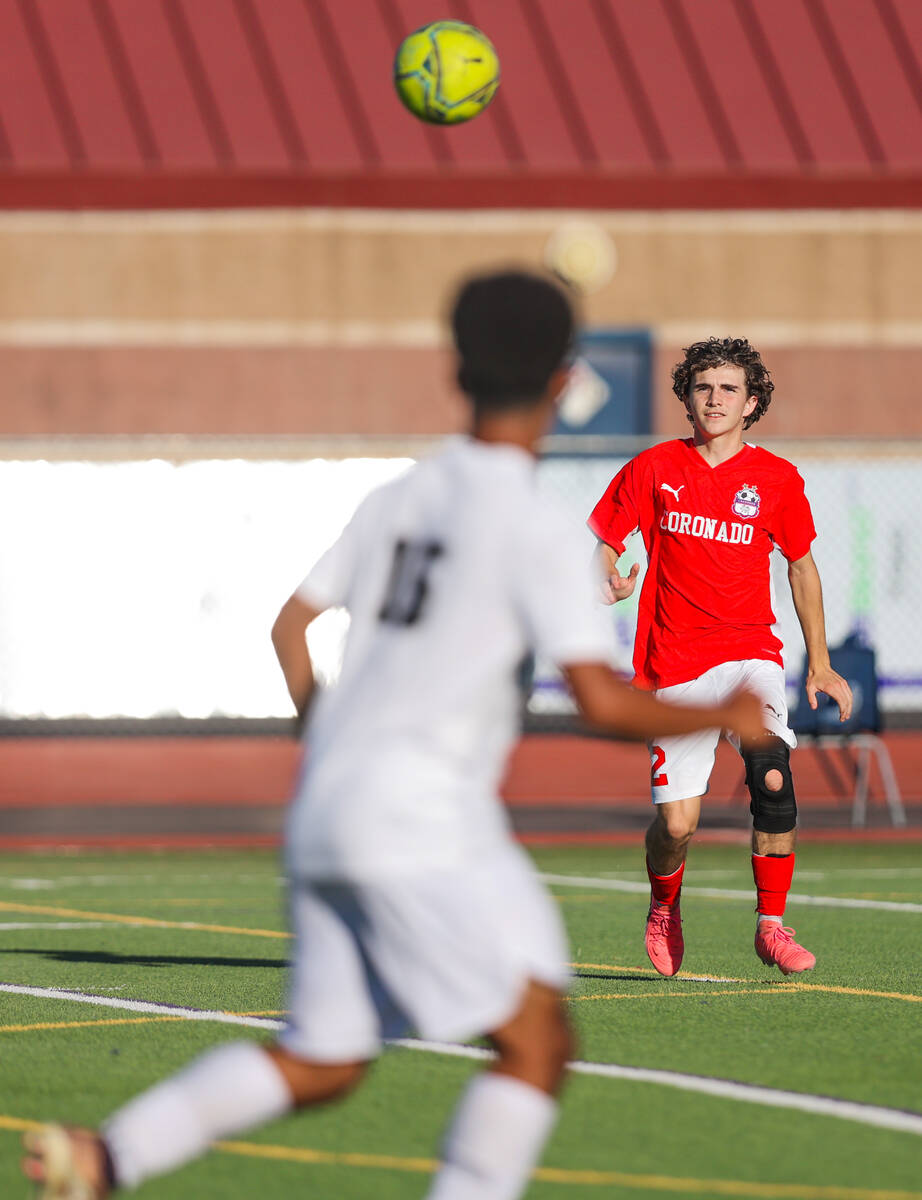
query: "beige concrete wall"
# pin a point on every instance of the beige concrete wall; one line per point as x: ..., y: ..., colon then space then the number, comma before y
x: 329, y: 320
x: 395, y: 390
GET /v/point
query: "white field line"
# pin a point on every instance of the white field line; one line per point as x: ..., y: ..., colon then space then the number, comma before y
x: 142, y: 1006
x: 40, y: 883
x: 30, y: 883
x: 10, y: 925
x: 727, y: 1089
x: 627, y: 885
x: 56, y: 883
x: 818, y: 873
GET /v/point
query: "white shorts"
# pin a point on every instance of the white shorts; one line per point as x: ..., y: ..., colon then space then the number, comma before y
x: 446, y: 954
x: 681, y: 767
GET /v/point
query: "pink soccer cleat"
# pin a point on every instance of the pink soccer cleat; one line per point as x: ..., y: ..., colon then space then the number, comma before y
x: 663, y: 938
x: 776, y: 947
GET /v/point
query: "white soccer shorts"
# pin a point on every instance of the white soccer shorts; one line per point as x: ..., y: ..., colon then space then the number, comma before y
x: 445, y: 953
x: 681, y: 767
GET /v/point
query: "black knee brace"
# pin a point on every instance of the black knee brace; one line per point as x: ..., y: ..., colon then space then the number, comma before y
x: 772, y: 812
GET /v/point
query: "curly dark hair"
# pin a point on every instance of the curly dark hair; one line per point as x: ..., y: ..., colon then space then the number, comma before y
x: 720, y: 352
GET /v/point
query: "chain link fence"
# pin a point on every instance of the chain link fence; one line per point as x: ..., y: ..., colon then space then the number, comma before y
x: 868, y: 552
x: 139, y: 578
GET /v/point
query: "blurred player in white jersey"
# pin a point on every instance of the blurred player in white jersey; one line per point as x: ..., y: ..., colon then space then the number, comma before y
x: 711, y: 509
x: 412, y: 906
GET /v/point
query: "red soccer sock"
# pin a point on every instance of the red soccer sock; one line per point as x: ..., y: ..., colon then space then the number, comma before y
x: 772, y: 874
x: 666, y: 888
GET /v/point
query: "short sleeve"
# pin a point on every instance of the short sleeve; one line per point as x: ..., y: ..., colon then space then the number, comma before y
x: 617, y: 514
x: 329, y: 582
x: 792, y: 528
x: 565, y: 620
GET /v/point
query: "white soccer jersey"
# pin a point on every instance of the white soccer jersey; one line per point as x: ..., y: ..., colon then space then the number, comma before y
x: 452, y: 575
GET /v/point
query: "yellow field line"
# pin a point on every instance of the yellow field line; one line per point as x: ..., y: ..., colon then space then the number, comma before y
x: 781, y: 985
x: 328, y: 1157
x: 653, y: 1183
x: 650, y: 971
x: 45, y: 1025
x: 47, y: 910
x: 721, y: 1187
x: 663, y: 995
x: 849, y: 991
x: 668, y: 994
x: 84, y: 1024
x: 18, y: 1125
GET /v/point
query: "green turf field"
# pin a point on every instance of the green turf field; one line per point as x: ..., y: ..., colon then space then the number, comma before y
x: 212, y: 937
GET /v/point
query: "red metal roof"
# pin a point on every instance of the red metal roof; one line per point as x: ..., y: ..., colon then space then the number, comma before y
x: 608, y: 103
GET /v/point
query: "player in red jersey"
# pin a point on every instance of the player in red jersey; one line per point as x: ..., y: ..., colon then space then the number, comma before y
x: 711, y: 508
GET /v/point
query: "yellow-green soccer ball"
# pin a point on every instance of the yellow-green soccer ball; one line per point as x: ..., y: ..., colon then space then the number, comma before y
x: 446, y: 72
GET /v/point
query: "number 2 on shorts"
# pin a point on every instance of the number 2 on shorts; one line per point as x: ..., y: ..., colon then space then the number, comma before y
x: 660, y: 778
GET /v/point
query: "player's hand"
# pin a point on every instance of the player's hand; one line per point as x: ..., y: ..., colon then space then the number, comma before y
x: 617, y: 587
x: 831, y: 683
x: 744, y: 715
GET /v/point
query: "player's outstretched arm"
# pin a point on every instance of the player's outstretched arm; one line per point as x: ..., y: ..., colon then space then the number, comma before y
x: 807, y: 593
x: 610, y: 704
x: 612, y: 584
x: 290, y: 642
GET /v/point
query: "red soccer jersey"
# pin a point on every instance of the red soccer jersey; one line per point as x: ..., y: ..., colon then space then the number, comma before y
x: 708, y: 532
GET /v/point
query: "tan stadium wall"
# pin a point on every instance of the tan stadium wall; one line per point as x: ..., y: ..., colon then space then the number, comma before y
x: 232, y: 390
x: 328, y: 321
x: 376, y: 390
x: 820, y: 391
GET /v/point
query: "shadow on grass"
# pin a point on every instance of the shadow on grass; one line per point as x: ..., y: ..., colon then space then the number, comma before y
x: 147, y: 960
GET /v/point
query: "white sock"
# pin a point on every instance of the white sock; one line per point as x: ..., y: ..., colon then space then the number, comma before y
x: 224, y: 1091
x: 495, y: 1138
x: 761, y: 917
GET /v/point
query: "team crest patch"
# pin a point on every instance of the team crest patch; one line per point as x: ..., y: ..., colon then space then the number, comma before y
x: 746, y: 501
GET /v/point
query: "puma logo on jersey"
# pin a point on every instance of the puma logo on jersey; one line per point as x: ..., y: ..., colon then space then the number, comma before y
x: 664, y: 487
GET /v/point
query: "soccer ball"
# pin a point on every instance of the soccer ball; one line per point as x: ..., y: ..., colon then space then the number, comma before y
x: 446, y: 72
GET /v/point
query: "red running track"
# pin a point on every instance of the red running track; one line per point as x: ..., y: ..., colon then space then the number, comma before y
x: 221, y: 770
x: 546, y: 773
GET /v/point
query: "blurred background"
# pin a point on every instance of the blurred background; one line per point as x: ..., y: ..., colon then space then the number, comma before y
x: 226, y: 252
